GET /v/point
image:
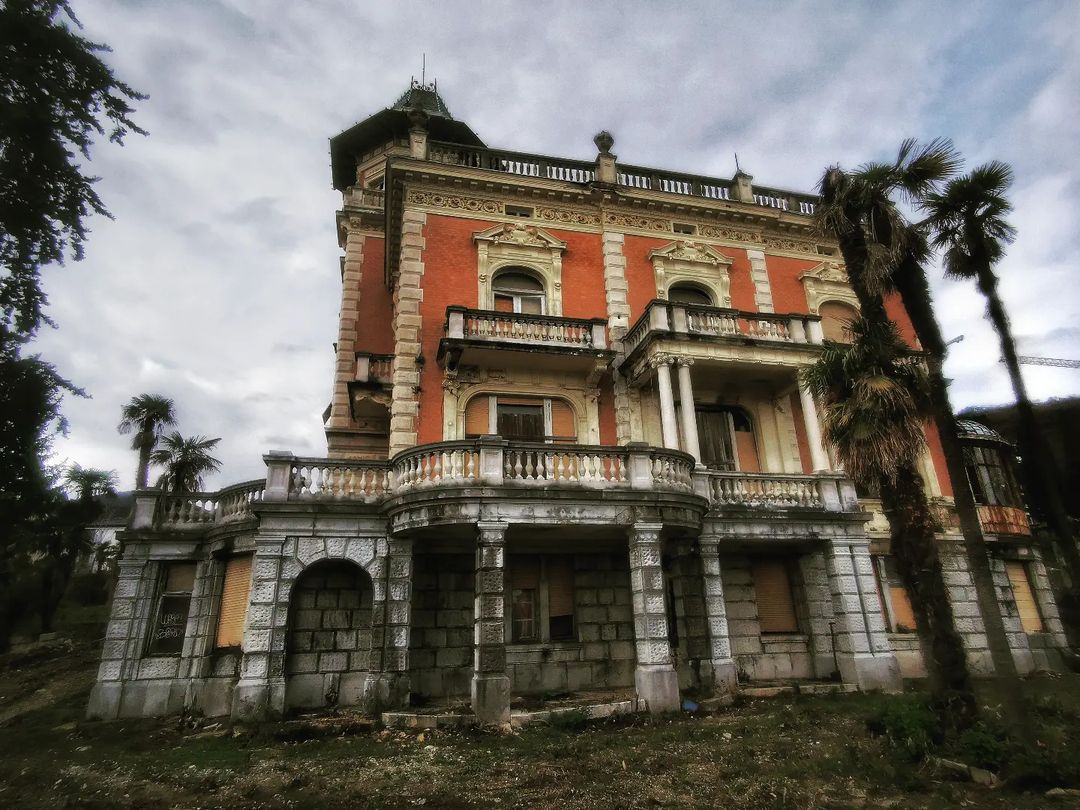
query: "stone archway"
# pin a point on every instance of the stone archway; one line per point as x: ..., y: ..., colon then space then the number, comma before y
x: 328, y: 636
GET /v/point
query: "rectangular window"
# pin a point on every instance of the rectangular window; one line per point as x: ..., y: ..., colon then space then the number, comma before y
x: 684, y: 227
x: 1024, y: 597
x: 234, y: 601
x: 174, y: 604
x: 520, y: 420
x: 541, y: 597
x: 775, y: 600
x: 897, y: 610
x: 518, y: 211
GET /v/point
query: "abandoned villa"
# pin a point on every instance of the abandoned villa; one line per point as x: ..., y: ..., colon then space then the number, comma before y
x: 567, y: 452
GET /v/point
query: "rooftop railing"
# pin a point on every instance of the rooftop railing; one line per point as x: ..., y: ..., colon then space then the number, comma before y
x: 636, y: 177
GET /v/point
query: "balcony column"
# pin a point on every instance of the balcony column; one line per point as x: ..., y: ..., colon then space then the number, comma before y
x: 654, y: 678
x: 686, y: 403
x: 668, y: 424
x: 490, y: 682
x: 818, y: 457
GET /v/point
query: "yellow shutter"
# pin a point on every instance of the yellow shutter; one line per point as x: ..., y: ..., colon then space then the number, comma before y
x: 1024, y: 597
x: 234, y: 601
x: 563, y: 421
x: 560, y: 572
x: 476, y: 416
x: 903, y: 614
x: 775, y: 604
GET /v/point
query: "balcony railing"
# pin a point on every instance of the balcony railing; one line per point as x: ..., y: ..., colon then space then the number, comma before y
x: 693, y: 319
x: 773, y: 490
x: 374, y: 367
x: 365, y: 198
x: 636, y: 177
x: 198, y: 509
x: 533, y: 330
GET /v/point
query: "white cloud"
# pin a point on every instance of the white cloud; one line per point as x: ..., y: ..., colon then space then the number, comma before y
x: 217, y: 283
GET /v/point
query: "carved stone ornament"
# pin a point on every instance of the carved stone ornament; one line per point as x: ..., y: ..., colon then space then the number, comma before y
x: 695, y: 263
x: 790, y: 245
x: 827, y: 282
x: 453, y: 202
x: 661, y: 360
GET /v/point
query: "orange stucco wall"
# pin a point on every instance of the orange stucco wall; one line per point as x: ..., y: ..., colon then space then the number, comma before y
x: 375, y: 309
x: 937, y: 455
x: 788, y: 293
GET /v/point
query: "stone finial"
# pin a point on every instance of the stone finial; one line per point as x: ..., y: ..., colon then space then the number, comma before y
x: 418, y: 133
x: 606, y: 171
x: 743, y: 186
x: 604, y: 141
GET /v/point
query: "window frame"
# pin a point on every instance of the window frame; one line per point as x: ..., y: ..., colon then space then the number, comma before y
x: 162, y: 593
x: 540, y: 602
x: 519, y: 296
x: 544, y: 401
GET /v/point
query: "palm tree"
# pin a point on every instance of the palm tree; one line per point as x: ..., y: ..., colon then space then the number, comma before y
x: 147, y: 415
x: 875, y: 398
x: 897, y: 254
x: 968, y: 218
x: 87, y: 483
x: 186, y: 461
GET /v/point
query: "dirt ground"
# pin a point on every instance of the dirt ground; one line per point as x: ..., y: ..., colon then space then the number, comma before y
x: 798, y: 752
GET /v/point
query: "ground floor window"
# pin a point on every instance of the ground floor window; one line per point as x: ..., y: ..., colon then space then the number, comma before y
x: 1024, y: 597
x: 774, y: 595
x: 893, y: 596
x: 541, y: 597
x: 173, y: 605
x: 234, y: 601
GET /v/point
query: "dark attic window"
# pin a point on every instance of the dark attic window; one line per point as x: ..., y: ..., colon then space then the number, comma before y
x: 519, y: 211
x: 684, y: 228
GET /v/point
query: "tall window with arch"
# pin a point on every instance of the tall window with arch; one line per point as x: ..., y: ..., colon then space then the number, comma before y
x: 689, y: 294
x: 517, y: 290
x: 836, y: 319
x: 727, y: 440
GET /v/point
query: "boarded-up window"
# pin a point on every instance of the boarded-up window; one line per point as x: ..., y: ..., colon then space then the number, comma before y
x: 903, y: 614
x: 525, y: 597
x: 1024, y: 596
x: 476, y: 416
x: 174, y: 604
x: 563, y: 422
x: 520, y: 420
x: 836, y: 320
x: 898, y: 612
x: 560, y: 585
x: 775, y: 602
x: 234, y: 601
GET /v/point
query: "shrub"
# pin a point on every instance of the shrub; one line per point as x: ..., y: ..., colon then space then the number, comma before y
x: 909, y: 723
x: 984, y: 746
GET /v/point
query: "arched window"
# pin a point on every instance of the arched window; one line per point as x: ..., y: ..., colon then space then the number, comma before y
x: 688, y: 294
x: 836, y: 319
x: 727, y: 441
x: 518, y: 291
x: 525, y: 418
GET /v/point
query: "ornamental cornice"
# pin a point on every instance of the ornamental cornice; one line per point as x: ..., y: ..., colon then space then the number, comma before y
x: 491, y: 207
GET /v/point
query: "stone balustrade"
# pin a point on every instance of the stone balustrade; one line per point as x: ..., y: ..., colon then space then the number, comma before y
x: 674, y: 318
x: 829, y: 492
x: 374, y: 367
x: 490, y: 461
x: 515, y: 327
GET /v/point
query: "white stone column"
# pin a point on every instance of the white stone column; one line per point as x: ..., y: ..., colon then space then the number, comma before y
x: 863, y: 653
x: 654, y: 678
x: 818, y: 457
x: 686, y: 403
x: 723, y: 664
x: 490, y: 682
x: 668, y: 424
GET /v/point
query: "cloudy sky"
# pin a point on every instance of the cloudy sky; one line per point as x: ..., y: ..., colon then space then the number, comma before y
x: 217, y: 282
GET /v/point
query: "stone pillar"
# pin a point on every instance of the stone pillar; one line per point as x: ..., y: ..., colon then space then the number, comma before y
x: 351, y: 273
x: 260, y: 692
x: 818, y: 457
x: 407, y: 347
x: 668, y: 424
x: 723, y: 664
x: 689, y: 415
x: 490, y: 682
x: 124, y: 635
x: 655, y: 677
x: 388, y: 680
x: 863, y: 653
x: 760, y: 276
x: 606, y: 170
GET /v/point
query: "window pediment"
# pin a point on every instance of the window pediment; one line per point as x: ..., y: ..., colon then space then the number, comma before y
x: 515, y: 244
x: 696, y: 263
x: 827, y: 281
x: 515, y: 233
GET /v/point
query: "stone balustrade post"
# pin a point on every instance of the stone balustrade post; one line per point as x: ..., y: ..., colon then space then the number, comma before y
x: 797, y: 330
x: 814, y: 332
x: 723, y: 663
x: 640, y: 465
x: 680, y: 325
x: 490, y: 681
x: 654, y: 677
x: 279, y: 465
x: 363, y: 368
x: 830, y: 495
x: 599, y: 334
x: 607, y: 170
x: 492, y: 448
x: 455, y: 323
x: 145, y: 510
x: 658, y: 316
x: 743, y: 187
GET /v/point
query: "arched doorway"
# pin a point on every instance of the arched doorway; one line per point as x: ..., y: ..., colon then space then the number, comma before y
x: 328, y: 640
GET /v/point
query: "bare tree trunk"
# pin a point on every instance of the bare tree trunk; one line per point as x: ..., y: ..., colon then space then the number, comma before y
x: 912, y: 285
x: 1042, y: 482
x: 914, y: 544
